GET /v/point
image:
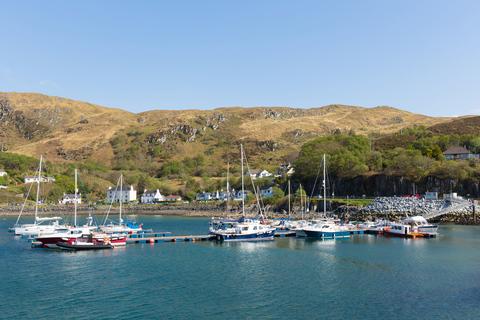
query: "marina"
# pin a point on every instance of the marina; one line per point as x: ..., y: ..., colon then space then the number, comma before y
x: 211, y: 276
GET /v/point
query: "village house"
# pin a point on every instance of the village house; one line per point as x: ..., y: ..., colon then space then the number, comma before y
x: 266, y: 192
x: 455, y: 153
x: 258, y: 174
x: 127, y: 194
x: 70, y: 199
x: 151, y: 196
x: 222, y: 196
x: 172, y: 198
x: 31, y: 179
x: 208, y: 196
x: 2, y: 173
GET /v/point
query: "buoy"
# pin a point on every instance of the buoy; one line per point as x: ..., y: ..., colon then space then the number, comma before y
x: 152, y: 241
x: 174, y: 240
x: 193, y: 240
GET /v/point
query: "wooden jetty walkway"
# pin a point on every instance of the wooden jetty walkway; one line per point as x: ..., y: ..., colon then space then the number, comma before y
x: 151, y: 237
x: 165, y: 237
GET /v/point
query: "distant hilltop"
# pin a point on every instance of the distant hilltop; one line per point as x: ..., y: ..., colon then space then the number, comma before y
x: 66, y: 130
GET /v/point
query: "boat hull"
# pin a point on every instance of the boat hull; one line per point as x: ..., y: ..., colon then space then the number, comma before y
x: 327, y: 234
x: 245, y: 237
x: 72, y: 246
x: 300, y: 233
x: 401, y: 235
x: 34, y: 230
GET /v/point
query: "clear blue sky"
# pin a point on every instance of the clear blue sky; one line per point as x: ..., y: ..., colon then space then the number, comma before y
x: 420, y: 56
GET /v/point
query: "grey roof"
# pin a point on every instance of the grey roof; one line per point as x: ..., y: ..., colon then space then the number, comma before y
x: 457, y: 150
x: 124, y: 188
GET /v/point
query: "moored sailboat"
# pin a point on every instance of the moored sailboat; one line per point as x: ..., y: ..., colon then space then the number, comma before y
x: 244, y: 229
x: 326, y: 228
x: 39, y: 225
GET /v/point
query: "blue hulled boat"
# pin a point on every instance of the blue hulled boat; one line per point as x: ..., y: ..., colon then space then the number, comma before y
x: 244, y: 230
x: 327, y: 230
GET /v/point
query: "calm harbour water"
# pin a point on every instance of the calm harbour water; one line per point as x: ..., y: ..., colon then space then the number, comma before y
x: 362, y: 277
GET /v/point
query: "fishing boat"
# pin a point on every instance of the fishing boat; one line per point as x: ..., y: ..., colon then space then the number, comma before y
x: 39, y: 225
x: 244, y: 229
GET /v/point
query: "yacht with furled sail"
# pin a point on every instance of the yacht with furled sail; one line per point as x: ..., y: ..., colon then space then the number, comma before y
x: 122, y: 226
x: 68, y: 233
x: 326, y: 228
x: 244, y: 229
x: 39, y: 225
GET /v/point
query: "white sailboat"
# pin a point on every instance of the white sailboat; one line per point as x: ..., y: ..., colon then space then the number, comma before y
x: 244, y: 229
x: 122, y: 226
x: 326, y: 228
x: 39, y: 225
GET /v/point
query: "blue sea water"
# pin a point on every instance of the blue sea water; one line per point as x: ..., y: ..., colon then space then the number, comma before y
x: 362, y: 277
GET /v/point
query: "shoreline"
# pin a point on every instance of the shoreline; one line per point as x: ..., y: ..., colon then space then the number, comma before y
x: 214, y: 210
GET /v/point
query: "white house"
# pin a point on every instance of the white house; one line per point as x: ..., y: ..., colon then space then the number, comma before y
x: 2, y: 173
x: 258, y: 174
x: 172, y: 198
x: 31, y: 179
x: 127, y: 194
x: 151, y: 196
x: 70, y: 199
x: 203, y: 196
x: 266, y: 192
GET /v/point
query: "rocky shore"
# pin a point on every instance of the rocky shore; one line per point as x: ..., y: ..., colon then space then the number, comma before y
x: 393, y: 209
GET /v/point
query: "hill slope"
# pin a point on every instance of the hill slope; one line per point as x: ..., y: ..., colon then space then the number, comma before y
x: 68, y: 130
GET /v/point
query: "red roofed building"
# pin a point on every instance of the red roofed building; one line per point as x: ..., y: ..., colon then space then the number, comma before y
x: 173, y: 198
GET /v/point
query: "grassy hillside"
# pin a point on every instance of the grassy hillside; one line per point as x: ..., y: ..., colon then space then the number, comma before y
x: 67, y: 130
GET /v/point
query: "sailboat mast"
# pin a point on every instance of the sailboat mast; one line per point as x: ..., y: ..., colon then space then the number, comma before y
x: 301, y: 200
x: 121, y: 199
x: 243, y: 192
x: 228, y: 196
x: 324, y: 190
x: 75, y: 200
x: 38, y: 190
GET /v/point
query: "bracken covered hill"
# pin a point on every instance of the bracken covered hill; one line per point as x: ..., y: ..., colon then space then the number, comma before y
x: 67, y: 130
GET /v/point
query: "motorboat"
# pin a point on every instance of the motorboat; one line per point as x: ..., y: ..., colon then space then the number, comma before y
x: 84, y: 244
x: 423, y: 226
x: 63, y: 234
x: 399, y: 229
